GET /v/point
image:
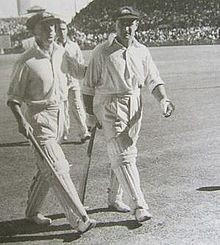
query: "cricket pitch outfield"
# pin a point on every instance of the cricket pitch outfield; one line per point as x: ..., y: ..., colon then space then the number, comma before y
x: 178, y: 161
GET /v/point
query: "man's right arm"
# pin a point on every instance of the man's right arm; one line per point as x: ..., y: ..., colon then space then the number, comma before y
x: 23, y: 126
x: 91, y: 79
x: 91, y: 119
x: 16, y: 93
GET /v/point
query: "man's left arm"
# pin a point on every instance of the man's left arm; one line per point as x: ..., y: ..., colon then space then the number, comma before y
x: 159, y: 93
x: 156, y: 86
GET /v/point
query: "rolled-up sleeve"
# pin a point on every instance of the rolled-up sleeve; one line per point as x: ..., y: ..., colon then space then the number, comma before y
x: 17, y: 87
x: 153, y: 78
x: 93, y: 73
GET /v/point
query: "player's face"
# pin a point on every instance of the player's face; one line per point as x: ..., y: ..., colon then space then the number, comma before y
x: 45, y: 32
x: 62, y: 32
x: 126, y: 28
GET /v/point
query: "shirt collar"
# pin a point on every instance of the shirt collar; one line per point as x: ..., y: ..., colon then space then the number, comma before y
x: 67, y: 41
x: 40, y: 51
x: 112, y: 39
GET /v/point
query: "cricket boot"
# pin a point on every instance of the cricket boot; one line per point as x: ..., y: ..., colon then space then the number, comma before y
x: 142, y: 215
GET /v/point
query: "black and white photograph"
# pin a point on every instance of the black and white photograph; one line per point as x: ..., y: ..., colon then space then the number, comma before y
x: 110, y: 125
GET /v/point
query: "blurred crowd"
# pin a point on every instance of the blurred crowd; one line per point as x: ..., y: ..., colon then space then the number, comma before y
x: 15, y: 27
x: 163, y: 22
x: 157, y: 36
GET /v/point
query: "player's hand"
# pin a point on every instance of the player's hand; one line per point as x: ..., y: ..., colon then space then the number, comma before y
x: 91, y: 122
x: 167, y: 107
x: 24, y: 128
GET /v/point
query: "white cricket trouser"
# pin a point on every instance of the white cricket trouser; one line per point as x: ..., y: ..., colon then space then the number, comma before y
x: 120, y: 117
x: 48, y: 125
x: 77, y: 107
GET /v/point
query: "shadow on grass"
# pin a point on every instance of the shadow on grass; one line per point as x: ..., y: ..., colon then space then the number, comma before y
x: 22, y: 230
x: 26, y: 143
x: 209, y: 188
x: 101, y: 210
x: 15, y: 144
x: 66, y: 237
x: 130, y: 224
x: 72, y: 143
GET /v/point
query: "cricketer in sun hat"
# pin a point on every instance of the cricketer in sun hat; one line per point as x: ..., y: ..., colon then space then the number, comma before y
x: 126, y: 12
x: 41, y: 17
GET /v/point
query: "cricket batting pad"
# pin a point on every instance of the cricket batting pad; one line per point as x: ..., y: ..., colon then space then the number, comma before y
x: 128, y: 184
x: 55, y: 169
x: 36, y: 194
x: 123, y: 163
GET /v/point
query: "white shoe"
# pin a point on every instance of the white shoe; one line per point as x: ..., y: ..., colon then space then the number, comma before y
x: 142, y: 215
x: 40, y: 219
x: 119, y: 206
x: 86, y: 226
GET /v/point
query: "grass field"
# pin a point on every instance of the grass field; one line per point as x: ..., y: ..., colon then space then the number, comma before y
x: 178, y: 162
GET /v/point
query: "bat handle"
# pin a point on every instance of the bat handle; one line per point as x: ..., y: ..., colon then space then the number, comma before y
x: 85, y: 172
x: 91, y: 142
x: 37, y: 146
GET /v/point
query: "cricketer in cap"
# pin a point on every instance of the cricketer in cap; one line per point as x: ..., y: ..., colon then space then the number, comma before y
x: 39, y: 80
x: 40, y: 18
x: 119, y: 68
x: 74, y: 94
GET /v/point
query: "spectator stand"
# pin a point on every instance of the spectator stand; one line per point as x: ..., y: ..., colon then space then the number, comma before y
x: 164, y: 22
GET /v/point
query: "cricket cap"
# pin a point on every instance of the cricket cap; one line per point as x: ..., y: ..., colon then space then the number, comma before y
x: 126, y: 12
x: 41, y: 17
